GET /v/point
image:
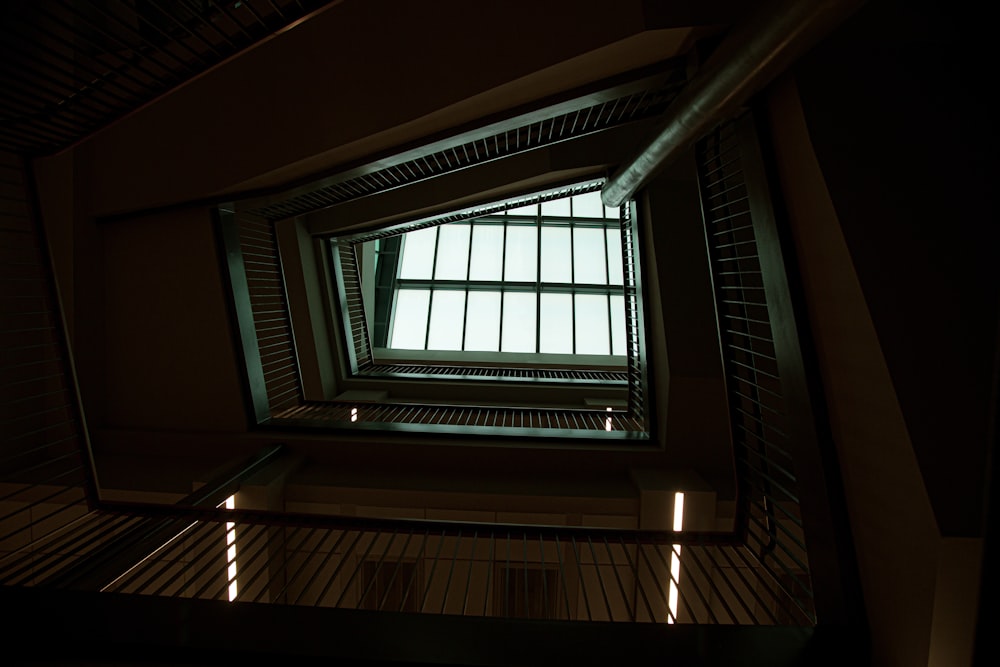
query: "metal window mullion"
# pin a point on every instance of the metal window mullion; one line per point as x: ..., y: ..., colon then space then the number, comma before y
x: 572, y: 280
x: 607, y: 279
x: 468, y: 269
x: 538, y: 279
x: 430, y: 300
x: 503, y: 274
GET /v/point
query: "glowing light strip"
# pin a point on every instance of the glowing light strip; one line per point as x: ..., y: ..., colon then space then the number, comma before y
x: 675, y: 558
x: 231, y: 550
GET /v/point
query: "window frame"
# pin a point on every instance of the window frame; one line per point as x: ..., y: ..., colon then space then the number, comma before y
x: 344, y: 251
x: 539, y: 222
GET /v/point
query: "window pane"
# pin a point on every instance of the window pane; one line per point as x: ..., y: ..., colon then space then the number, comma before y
x: 409, y: 323
x: 618, y: 340
x: 482, y: 324
x: 447, y: 317
x: 588, y: 205
x: 613, y: 213
x: 530, y: 210
x: 487, y: 252
x: 418, y: 254
x: 518, y: 322
x: 589, y: 255
x: 592, y: 324
x: 557, y: 264
x: 521, y: 262
x: 556, y: 207
x: 452, y: 253
x: 615, y: 256
x: 556, y: 331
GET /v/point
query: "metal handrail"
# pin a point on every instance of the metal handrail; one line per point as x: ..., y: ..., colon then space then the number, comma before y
x: 191, y: 513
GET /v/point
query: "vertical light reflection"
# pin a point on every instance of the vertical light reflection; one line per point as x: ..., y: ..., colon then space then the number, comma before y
x: 675, y: 557
x: 231, y: 550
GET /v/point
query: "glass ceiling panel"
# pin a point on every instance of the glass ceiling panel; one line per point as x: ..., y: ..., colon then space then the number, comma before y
x: 418, y: 253
x: 589, y: 255
x: 409, y: 322
x: 592, y: 327
x: 487, y: 253
x: 454, y: 287
x: 557, y: 260
x: 519, y: 309
x: 618, y: 341
x: 616, y: 275
x: 482, y: 324
x: 588, y: 206
x: 531, y: 209
x: 521, y: 259
x: 447, y: 312
x: 555, y: 334
x: 557, y: 208
x: 452, y: 261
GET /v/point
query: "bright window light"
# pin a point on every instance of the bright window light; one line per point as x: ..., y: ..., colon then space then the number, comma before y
x: 482, y: 324
x: 518, y: 322
x: 556, y: 328
x: 589, y: 255
x: 540, y: 278
x: 410, y: 321
x: 592, y: 328
x: 447, y: 309
x: 452, y: 257
x: 675, y: 558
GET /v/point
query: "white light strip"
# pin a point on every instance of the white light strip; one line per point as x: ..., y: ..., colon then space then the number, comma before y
x: 231, y: 550
x: 675, y: 558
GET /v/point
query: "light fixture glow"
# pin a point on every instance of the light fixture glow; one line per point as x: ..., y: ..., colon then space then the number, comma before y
x: 607, y: 421
x: 675, y: 559
x: 231, y: 550
x: 354, y: 414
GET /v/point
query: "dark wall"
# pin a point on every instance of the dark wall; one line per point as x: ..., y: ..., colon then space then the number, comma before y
x: 896, y: 107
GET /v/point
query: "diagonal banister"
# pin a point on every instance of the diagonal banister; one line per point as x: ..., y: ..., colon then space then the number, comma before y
x: 789, y: 497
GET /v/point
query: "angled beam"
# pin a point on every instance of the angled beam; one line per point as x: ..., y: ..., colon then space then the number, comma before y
x: 747, y: 59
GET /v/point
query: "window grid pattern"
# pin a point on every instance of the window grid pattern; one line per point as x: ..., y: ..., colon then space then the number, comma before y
x: 630, y: 422
x: 484, y: 285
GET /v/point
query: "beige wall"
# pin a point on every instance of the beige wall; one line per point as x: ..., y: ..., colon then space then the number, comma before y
x: 348, y: 83
x: 897, y: 541
x: 169, y: 350
x: 341, y: 85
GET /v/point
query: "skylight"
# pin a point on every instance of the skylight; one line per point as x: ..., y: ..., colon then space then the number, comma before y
x: 541, y: 278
